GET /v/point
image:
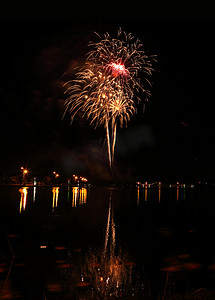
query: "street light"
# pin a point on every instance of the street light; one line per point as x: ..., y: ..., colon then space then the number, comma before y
x: 24, y: 172
x: 56, y: 174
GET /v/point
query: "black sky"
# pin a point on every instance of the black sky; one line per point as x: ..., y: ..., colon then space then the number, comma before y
x: 174, y: 139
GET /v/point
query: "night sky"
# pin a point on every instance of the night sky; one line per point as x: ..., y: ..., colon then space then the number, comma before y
x: 173, y: 140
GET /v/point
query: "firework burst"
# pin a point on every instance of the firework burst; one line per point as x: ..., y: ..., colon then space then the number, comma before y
x: 108, y: 87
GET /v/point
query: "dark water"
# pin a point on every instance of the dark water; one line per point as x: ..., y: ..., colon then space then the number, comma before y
x: 98, y: 243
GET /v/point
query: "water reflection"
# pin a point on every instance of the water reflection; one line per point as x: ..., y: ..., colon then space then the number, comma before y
x: 34, y: 193
x: 184, y: 193
x: 159, y: 194
x: 109, y: 270
x: 75, y: 194
x: 110, y: 229
x: 55, y: 191
x: 79, y: 196
x: 23, y: 198
x: 68, y: 193
x: 146, y: 192
x: 138, y: 196
x: 179, y: 192
x: 106, y: 268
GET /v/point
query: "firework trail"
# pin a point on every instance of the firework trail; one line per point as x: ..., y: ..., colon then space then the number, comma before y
x: 108, y: 87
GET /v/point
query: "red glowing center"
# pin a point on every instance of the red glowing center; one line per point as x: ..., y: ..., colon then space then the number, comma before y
x: 118, y: 69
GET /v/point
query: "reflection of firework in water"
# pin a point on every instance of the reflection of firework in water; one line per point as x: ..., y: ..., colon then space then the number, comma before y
x: 105, y: 272
x: 106, y: 88
x: 110, y: 274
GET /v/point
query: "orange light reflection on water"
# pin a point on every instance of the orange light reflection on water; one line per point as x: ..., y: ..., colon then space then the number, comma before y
x: 23, y: 198
x: 146, y: 191
x: 79, y: 195
x: 83, y: 196
x: 55, y: 192
x: 177, y: 193
x: 159, y: 194
x: 138, y: 195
